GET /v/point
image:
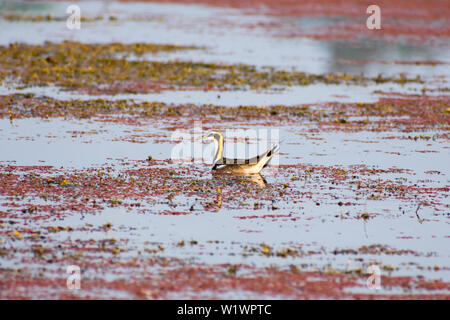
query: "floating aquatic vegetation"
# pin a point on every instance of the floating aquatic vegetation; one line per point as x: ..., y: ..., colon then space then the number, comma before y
x: 347, y: 20
x: 105, y: 68
x: 150, y: 228
x: 406, y: 113
x: 17, y: 16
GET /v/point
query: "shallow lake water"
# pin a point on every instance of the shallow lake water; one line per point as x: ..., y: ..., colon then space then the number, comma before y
x: 321, y: 208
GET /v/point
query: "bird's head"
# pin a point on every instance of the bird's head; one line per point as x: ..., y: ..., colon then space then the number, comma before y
x: 211, y: 136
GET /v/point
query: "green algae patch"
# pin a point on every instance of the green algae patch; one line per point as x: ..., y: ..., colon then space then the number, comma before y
x: 118, y: 68
x: 75, y: 65
x: 16, y: 106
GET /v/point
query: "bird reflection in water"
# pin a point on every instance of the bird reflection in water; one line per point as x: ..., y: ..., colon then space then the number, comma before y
x: 254, y: 179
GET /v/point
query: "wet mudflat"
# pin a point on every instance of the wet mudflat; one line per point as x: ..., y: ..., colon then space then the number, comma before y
x: 87, y: 179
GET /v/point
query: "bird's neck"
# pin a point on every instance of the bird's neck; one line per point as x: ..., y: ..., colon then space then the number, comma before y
x: 218, y: 146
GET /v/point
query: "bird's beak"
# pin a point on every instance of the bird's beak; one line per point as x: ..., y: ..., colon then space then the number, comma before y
x: 201, y: 138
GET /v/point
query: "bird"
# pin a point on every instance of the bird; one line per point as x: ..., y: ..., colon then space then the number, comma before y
x: 237, y: 166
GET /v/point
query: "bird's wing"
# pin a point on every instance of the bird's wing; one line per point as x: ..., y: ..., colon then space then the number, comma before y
x: 249, y: 161
x: 229, y: 161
